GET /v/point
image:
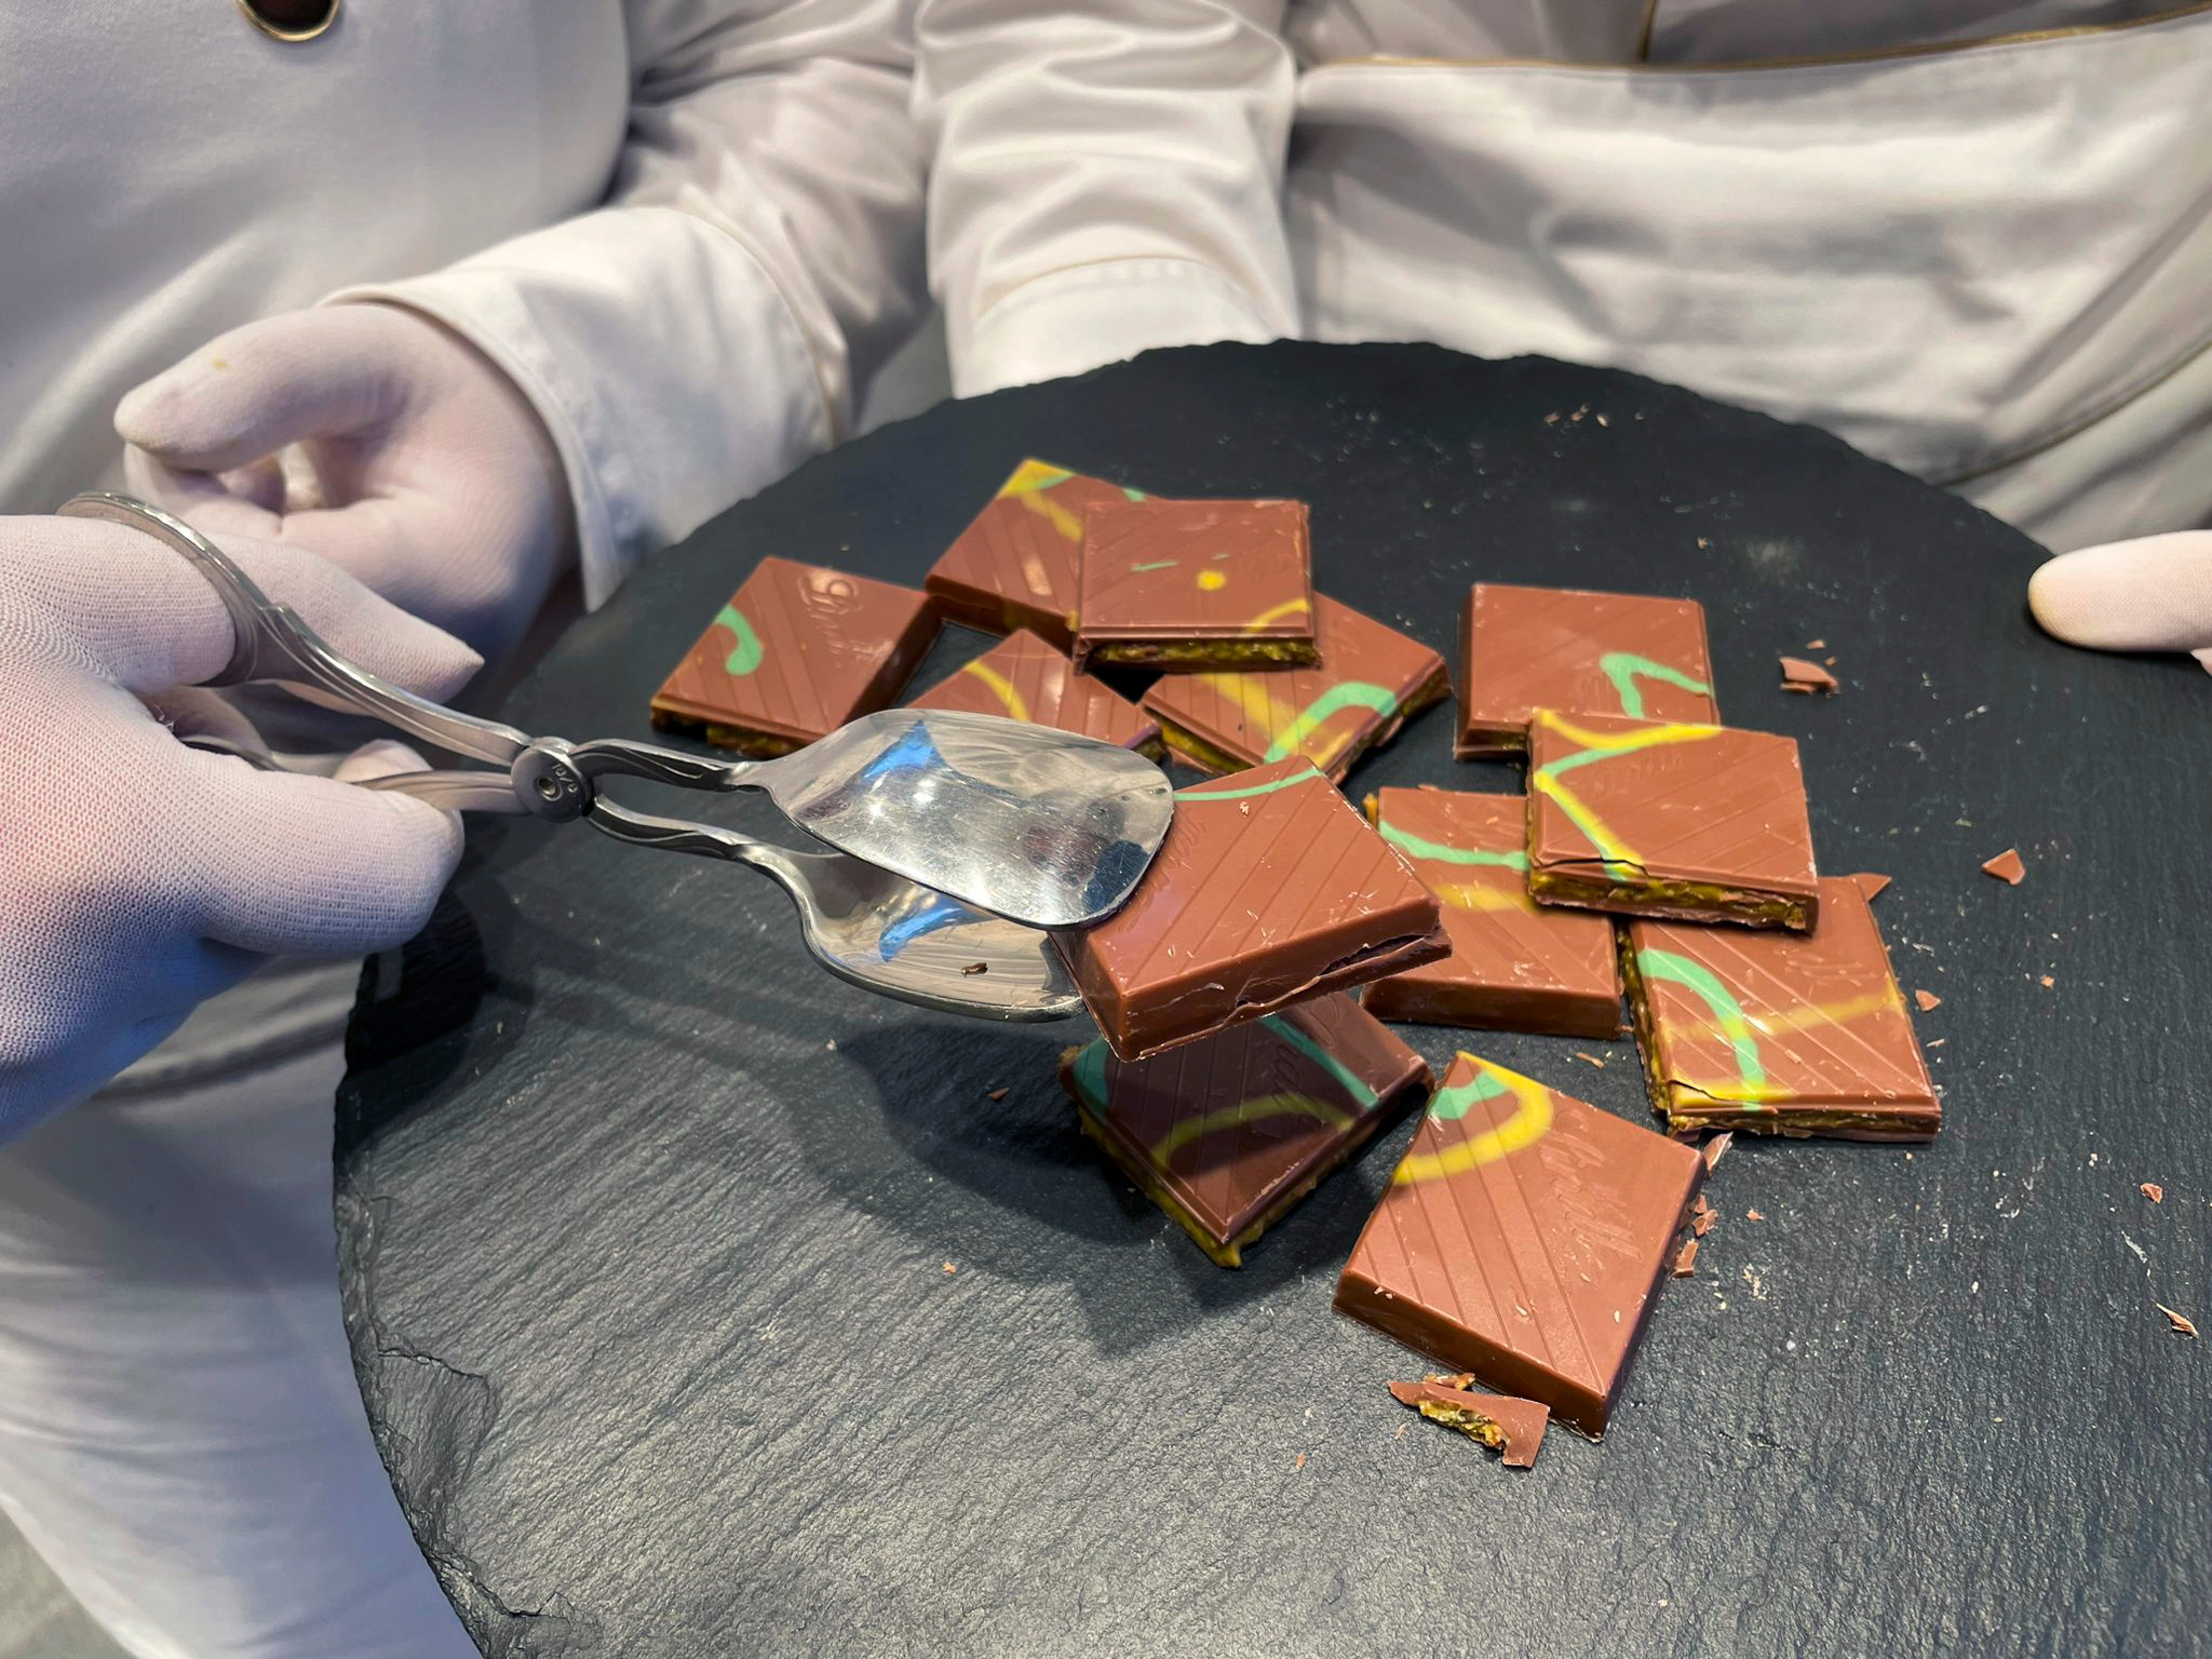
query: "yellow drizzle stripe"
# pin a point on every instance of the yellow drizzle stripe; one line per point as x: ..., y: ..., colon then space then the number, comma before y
x: 1001, y: 687
x: 1475, y: 896
x: 1255, y: 1110
x: 1595, y: 747
x: 1524, y: 1128
x: 1620, y: 858
x: 1276, y: 613
x: 1034, y: 475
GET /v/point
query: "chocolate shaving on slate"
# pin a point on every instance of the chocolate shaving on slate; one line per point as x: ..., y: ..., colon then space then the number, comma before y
x: 1685, y: 1259
x: 2182, y: 1324
x: 2006, y: 866
x: 1716, y: 1148
x: 1928, y: 1000
x: 1518, y: 1423
x: 1798, y: 675
x: 2153, y: 1191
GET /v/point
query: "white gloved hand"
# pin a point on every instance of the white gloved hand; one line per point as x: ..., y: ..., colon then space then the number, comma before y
x: 430, y: 476
x: 2154, y: 593
x: 138, y: 877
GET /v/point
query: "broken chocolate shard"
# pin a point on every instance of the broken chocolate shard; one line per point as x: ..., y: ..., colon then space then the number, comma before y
x: 1701, y: 822
x: 798, y: 652
x: 1227, y: 1133
x: 1270, y: 888
x: 1685, y: 1259
x: 2006, y: 866
x: 1188, y: 585
x: 1870, y: 883
x: 1024, y: 678
x: 2153, y: 1191
x: 1370, y: 681
x: 1928, y: 1000
x: 1514, y: 965
x: 1514, y: 1427
x: 1523, y: 1239
x: 2181, y: 1324
x: 1779, y: 1033
x: 1526, y: 648
x: 1799, y: 675
x: 1015, y: 566
x: 1716, y: 1149
x: 1705, y: 1222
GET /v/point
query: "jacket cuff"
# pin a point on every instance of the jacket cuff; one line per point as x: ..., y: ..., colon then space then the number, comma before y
x: 671, y: 373
x: 1070, y: 322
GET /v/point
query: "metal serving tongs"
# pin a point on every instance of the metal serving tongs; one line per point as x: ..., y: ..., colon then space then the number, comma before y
x: 962, y: 835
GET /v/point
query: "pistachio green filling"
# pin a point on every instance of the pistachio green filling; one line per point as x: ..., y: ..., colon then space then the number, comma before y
x: 1213, y: 653
x: 1664, y: 897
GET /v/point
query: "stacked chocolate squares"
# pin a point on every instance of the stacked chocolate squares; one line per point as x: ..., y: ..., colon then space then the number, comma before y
x: 1525, y: 1234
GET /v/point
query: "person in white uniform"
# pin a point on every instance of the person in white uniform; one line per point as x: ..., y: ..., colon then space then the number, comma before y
x: 440, y: 304
x: 1973, y: 237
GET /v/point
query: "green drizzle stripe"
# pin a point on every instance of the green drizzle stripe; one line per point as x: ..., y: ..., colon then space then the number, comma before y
x: 1449, y: 1105
x: 1727, y: 1013
x: 746, y: 655
x: 1625, y: 668
x: 1249, y: 790
x: 1349, y: 1080
x: 1345, y: 693
x: 1436, y: 850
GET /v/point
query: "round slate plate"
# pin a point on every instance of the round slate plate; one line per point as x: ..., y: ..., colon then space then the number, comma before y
x: 706, y: 1306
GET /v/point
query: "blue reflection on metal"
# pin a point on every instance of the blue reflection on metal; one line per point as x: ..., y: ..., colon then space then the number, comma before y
x: 939, y: 913
x: 912, y: 752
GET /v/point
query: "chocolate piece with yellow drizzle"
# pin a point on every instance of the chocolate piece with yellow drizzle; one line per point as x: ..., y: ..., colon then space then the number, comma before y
x: 1015, y: 565
x: 1777, y: 1033
x: 1228, y: 1134
x: 1514, y: 965
x: 1372, y: 679
x: 1650, y: 818
x: 797, y: 651
x: 1524, y: 1239
x: 1187, y: 585
x: 1526, y: 648
x: 1024, y: 678
x: 1270, y: 888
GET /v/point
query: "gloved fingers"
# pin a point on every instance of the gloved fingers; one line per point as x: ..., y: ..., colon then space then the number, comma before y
x: 2154, y: 593
x: 387, y: 757
x: 311, y: 865
x: 297, y: 375
x: 148, y: 620
x: 220, y: 504
x: 195, y: 711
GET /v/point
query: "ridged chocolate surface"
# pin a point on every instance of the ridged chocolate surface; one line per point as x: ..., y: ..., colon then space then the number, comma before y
x: 1526, y: 648
x: 1774, y: 1031
x: 1523, y: 1239
x: 1647, y: 801
x: 1162, y: 571
x: 1229, y: 1124
x: 1371, y: 677
x: 1270, y: 887
x: 1026, y: 679
x: 1015, y: 565
x: 1514, y: 964
x: 799, y: 651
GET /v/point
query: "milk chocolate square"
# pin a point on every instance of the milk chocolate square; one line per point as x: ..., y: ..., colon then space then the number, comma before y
x: 1189, y: 585
x: 798, y: 652
x: 1015, y: 566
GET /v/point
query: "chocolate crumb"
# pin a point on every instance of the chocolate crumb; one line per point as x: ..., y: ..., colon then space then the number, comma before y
x: 1302, y: 1461
x: 2153, y: 1191
x: 2182, y: 1323
x: 949, y: 1268
x: 1816, y: 645
x: 1937, y: 1042
x: 1461, y: 1380
x: 977, y: 968
x: 1716, y: 1148
x: 1753, y: 1215
x: 2006, y: 866
x: 1705, y: 1222
x: 1685, y: 1261
x: 1798, y: 675
x: 2048, y: 982
x: 1927, y: 999
x: 996, y: 1094
x: 1593, y: 1059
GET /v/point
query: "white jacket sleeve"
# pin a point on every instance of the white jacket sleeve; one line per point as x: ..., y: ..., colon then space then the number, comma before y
x: 1106, y: 177
x: 758, y: 251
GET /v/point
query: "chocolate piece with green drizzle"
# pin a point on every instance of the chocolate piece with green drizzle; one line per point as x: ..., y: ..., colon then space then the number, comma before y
x: 1227, y: 1135
x: 1648, y: 818
x: 1269, y: 889
x: 1187, y: 586
x: 798, y: 652
x: 1779, y: 1033
x: 1514, y: 965
x: 1526, y: 648
x: 1372, y: 679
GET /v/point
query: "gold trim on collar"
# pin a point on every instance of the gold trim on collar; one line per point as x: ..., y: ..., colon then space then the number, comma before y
x: 1934, y: 49
x: 290, y: 36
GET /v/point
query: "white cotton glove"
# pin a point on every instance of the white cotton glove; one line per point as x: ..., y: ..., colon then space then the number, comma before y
x: 2154, y: 593
x: 427, y: 474
x: 138, y: 877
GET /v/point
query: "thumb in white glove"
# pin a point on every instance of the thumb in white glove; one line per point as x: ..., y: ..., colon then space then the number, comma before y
x: 138, y: 877
x: 2154, y: 593
x: 434, y: 481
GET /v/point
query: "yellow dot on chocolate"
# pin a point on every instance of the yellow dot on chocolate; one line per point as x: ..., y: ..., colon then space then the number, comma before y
x: 1211, y: 580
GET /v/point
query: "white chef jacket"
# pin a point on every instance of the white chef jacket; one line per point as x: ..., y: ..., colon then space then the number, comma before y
x: 688, y: 229
x: 1973, y: 237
